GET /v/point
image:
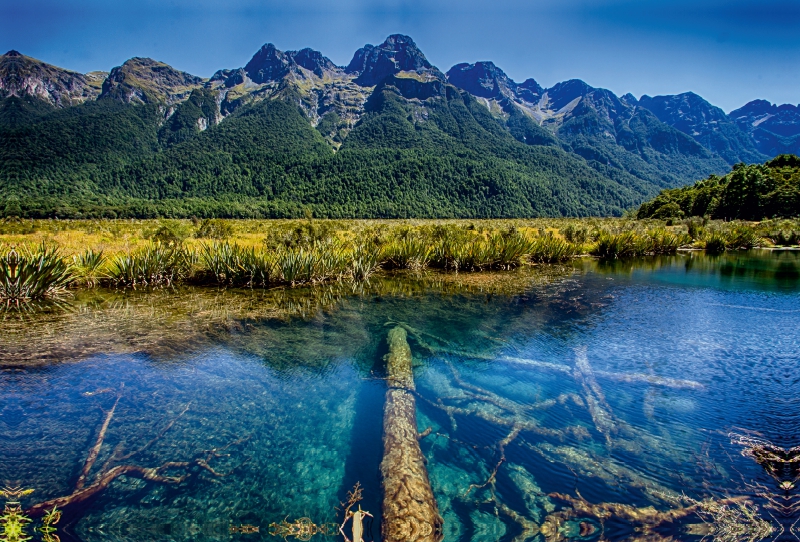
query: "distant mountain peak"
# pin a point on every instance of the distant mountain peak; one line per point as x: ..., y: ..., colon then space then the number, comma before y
x: 144, y: 80
x: 706, y: 123
x: 562, y: 94
x: 268, y: 64
x: 22, y: 75
x: 272, y: 64
x: 486, y: 80
x: 313, y: 61
x: 397, y: 53
x: 775, y: 129
x: 482, y: 79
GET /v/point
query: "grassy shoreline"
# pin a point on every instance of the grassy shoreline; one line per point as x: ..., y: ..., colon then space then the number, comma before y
x: 40, y: 258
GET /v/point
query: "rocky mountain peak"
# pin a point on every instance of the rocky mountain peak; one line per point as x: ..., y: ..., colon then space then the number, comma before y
x: 312, y: 60
x: 482, y: 79
x: 486, y: 80
x: 272, y: 64
x: 144, y: 80
x: 268, y: 64
x: 529, y: 90
x: 398, y: 53
x: 707, y: 124
x: 756, y: 107
x: 21, y: 75
x: 562, y: 94
x: 775, y: 129
x: 683, y: 111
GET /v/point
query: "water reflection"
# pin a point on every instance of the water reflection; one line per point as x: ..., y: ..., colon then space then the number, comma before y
x: 591, y: 403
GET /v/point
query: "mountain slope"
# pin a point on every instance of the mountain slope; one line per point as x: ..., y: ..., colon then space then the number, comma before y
x: 389, y: 135
x: 707, y: 124
x: 618, y: 138
x: 144, y: 80
x: 749, y: 192
x: 21, y: 76
x: 775, y: 129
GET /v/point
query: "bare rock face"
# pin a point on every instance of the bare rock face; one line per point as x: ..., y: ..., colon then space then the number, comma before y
x: 313, y: 61
x: 707, y: 124
x: 398, y: 53
x: 144, y: 80
x: 22, y: 75
x: 775, y: 129
x: 270, y: 64
x: 482, y: 79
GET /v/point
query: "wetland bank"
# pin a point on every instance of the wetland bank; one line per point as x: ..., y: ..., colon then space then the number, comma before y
x: 634, y: 399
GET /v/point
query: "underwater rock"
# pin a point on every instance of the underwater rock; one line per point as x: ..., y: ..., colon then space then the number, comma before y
x: 410, y: 513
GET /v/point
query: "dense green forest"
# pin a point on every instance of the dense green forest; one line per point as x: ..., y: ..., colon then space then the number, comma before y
x: 421, y: 149
x: 106, y: 159
x: 749, y: 192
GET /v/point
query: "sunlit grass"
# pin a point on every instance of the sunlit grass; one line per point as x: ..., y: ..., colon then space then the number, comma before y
x: 261, y: 253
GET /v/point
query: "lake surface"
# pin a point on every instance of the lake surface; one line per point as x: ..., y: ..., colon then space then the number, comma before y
x: 629, y: 383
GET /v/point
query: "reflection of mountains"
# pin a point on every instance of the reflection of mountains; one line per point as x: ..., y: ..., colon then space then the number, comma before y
x: 168, y: 323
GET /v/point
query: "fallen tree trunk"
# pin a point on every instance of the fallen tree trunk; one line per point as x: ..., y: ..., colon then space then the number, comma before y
x: 410, y: 513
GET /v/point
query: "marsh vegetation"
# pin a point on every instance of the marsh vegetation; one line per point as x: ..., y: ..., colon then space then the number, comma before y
x: 41, y: 259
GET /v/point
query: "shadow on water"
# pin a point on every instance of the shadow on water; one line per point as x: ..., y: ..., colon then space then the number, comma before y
x: 363, y: 463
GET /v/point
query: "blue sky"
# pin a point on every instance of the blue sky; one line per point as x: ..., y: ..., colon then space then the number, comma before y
x: 728, y: 52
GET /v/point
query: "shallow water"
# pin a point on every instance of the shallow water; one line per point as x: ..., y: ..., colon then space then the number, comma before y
x: 282, y: 393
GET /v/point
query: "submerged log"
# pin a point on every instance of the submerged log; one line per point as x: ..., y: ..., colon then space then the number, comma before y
x: 410, y: 513
x: 594, y: 396
x: 630, y: 378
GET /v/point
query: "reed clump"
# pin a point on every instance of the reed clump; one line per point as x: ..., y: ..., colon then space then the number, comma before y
x: 156, y: 264
x: 260, y: 253
x: 631, y: 244
x: 32, y: 273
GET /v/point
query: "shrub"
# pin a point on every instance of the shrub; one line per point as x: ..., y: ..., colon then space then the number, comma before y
x: 214, y: 228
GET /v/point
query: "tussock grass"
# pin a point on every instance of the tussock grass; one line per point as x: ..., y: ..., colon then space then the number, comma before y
x: 261, y: 253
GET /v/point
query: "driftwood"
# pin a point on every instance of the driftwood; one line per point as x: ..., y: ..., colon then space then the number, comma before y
x: 83, y: 492
x: 608, y: 469
x: 654, y: 380
x: 87, y: 466
x: 410, y: 513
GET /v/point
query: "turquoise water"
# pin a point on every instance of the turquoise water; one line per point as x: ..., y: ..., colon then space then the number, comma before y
x: 626, y: 381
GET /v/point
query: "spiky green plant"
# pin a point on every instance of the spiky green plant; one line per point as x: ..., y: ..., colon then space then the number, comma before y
x: 296, y: 265
x: 664, y: 241
x: 408, y: 253
x: 508, y: 248
x: 88, y: 266
x: 742, y: 236
x: 153, y: 265
x: 365, y: 259
x: 622, y: 245
x: 33, y: 273
x: 549, y: 249
x: 715, y: 243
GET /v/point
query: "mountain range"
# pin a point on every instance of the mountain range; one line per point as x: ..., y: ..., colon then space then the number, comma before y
x: 388, y: 135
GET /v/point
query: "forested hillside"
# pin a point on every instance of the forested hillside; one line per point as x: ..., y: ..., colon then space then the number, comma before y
x: 749, y: 192
x: 290, y: 132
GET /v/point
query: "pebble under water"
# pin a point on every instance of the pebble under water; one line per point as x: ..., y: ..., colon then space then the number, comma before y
x: 586, y: 403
